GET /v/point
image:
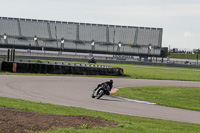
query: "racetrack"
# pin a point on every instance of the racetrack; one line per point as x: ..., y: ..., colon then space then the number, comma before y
x: 76, y: 91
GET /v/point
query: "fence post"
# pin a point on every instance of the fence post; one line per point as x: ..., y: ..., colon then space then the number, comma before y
x: 8, y: 57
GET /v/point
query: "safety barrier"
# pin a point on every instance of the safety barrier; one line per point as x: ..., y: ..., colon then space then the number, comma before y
x: 42, y: 68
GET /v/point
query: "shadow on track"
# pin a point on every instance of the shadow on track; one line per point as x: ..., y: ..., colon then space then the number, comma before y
x: 106, y: 99
x: 109, y: 100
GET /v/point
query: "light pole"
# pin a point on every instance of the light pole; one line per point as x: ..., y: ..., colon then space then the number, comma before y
x: 119, y: 47
x: 36, y: 40
x: 149, y: 50
x: 114, y: 41
x: 62, y: 43
x: 56, y: 36
x: 92, y: 45
x: 5, y: 37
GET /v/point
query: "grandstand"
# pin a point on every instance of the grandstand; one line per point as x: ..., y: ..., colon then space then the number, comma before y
x: 79, y: 37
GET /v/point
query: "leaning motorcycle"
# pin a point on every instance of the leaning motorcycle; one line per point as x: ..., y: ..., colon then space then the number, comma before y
x: 92, y: 61
x: 99, y: 92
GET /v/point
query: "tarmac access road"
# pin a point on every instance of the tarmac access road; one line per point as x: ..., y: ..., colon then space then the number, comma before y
x: 76, y: 91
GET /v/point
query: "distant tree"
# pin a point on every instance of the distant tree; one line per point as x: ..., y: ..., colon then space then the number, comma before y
x: 196, y: 51
x: 164, y: 52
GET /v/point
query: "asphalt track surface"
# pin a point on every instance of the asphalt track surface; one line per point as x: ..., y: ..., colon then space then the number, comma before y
x: 76, y: 91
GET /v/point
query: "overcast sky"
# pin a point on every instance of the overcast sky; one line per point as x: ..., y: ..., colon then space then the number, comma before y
x: 180, y: 19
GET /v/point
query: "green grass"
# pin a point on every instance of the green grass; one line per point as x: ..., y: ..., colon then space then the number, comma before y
x: 127, y: 124
x: 142, y: 72
x: 179, y: 97
x: 161, y: 74
x: 155, y: 72
x: 183, y: 56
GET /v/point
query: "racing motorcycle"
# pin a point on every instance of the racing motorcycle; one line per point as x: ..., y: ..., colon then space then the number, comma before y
x: 99, y: 91
x: 92, y: 61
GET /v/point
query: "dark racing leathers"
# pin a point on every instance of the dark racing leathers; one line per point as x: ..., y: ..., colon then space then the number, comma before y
x: 106, y: 85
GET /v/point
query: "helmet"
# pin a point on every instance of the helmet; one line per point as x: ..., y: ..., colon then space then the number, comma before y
x: 111, y: 81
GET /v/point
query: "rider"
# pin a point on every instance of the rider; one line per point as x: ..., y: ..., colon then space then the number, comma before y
x: 107, y: 85
x: 93, y: 60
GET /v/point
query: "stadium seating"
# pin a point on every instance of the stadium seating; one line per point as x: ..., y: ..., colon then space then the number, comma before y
x: 31, y: 29
x: 134, y: 40
x: 9, y: 27
x: 66, y: 31
x: 89, y: 33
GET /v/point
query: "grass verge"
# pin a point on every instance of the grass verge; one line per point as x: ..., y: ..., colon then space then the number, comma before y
x: 183, y: 56
x: 141, y: 72
x: 127, y: 124
x: 179, y: 97
x: 167, y: 73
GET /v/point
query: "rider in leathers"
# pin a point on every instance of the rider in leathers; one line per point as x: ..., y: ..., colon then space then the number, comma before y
x: 107, y: 86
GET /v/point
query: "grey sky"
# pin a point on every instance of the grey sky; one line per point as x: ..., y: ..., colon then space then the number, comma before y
x: 180, y: 19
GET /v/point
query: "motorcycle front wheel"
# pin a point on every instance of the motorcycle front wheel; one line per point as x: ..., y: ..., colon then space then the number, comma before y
x: 100, y: 94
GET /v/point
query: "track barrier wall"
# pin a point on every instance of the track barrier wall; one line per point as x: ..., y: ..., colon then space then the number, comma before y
x: 78, y: 69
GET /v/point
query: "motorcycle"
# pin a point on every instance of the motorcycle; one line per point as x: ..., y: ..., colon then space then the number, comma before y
x: 99, y: 92
x: 92, y: 61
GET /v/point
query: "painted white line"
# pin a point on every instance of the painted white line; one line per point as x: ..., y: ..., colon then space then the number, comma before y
x: 131, y: 100
x: 137, y: 101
